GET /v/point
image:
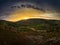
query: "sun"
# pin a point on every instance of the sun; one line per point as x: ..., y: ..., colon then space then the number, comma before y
x: 26, y: 18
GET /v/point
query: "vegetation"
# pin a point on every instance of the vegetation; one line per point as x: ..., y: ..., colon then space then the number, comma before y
x: 30, y: 32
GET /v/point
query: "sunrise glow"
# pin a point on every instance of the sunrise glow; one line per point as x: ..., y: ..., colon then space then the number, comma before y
x: 28, y: 13
x: 24, y: 14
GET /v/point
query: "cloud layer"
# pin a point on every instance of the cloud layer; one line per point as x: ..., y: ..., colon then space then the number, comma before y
x: 48, y: 6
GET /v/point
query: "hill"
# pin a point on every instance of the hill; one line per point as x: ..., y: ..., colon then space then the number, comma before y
x: 40, y: 24
x: 30, y: 32
x: 37, y: 24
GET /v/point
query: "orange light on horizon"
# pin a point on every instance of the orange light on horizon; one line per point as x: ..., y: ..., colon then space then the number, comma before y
x: 23, y: 14
x: 28, y: 13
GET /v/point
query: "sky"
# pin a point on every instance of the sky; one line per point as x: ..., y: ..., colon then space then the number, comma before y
x: 14, y: 10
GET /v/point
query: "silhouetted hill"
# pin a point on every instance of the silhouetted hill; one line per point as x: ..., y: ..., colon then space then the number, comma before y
x: 39, y: 24
x: 32, y: 21
x: 30, y: 32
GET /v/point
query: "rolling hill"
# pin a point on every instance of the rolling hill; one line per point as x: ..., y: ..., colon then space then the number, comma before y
x: 38, y: 24
x: 30, y: 32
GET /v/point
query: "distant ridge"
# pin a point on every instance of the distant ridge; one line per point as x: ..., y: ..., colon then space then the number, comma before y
x: 31, y: 19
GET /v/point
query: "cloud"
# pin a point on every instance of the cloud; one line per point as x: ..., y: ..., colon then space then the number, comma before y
x: 43, y: 5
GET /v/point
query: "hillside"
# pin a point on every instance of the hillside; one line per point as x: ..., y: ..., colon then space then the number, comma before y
x: 30, y: 32
x: 37, y: 24
x: 40, y: 24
